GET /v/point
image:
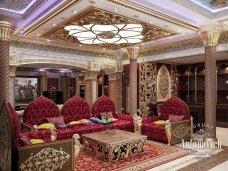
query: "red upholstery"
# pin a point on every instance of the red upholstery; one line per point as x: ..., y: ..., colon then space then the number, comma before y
x: 80, y: 129
x: 105, y: 104
x: 75, y: 109
x: 16, y: 126
x: 173, y: 106
x: 42, y: 134
x: 39, y: 110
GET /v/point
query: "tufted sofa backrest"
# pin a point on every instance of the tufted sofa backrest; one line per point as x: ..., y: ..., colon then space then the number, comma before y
x: 103, y: 104
x: 75, y: 109
x: 15, y: 125
x: 175, y: 106
x: 39, y: 110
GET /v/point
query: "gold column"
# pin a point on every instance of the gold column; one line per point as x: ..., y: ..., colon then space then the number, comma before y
x: 133, y: 55
x: 6, y: 31
x: 210, y: 37
x: 43, y: 82
x: 12, y: 72
x: 90, y: 87
x: 119, y: 70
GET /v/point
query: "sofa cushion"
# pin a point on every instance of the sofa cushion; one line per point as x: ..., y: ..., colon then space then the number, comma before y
x: 56, y: 120
x: 25, y: 141
x: 36, y: 141
x: 159, y: 122
x: 175, y: 118
x: 94, y: 119
x: 45, y: 126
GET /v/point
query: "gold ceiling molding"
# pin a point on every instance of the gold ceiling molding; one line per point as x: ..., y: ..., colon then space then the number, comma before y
x: 150, y: 12
x: 179, y: 45
x: 99, y: 16
x: 28, y: 44
x: 66, y: 5
x: 219, y: 3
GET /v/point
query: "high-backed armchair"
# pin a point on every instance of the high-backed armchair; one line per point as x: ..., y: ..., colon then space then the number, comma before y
x: 105, y: 104
x: 173, y: 124
x: 38, y: 111
x: 56, y: 155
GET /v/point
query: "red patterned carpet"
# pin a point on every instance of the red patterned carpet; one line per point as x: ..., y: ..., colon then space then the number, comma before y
x: 154, y: 155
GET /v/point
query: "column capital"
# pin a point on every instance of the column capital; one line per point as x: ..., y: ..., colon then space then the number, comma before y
x: 90, y: 75
x: 133, y: 52
x: 12, y: 70
x: 119, y: 54
x: 210, y: 34
x: 6, y: 30
x: 119, y: 60
x: 44, y: 73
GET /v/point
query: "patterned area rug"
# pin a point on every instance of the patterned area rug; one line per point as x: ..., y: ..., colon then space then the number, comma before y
x: 155, y: 154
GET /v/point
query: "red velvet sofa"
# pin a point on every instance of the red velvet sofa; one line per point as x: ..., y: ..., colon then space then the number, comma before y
x: 75, y: 109
x: 105, y: 104
x: 172, y: 131
x: 23, y: 154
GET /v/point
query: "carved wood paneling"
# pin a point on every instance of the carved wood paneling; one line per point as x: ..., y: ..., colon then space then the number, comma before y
x: 147, y: 86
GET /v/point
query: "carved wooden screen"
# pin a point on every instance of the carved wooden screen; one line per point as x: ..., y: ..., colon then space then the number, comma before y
x: 5, y: 138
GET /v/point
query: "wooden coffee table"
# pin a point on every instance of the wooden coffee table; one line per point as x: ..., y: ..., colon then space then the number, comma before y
x: 114, y: 144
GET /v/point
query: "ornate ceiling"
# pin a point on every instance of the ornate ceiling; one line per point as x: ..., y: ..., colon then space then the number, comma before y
x: 98, y: 16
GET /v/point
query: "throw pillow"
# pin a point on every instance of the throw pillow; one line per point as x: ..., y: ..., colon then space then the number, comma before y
x: 106, y: 115
x: 175, y: 118
x: 56, y: 120
x: 112, y: 119
x: 85, y: 121
x: 104, y: 121
x: 160, y: 122
x: 61, y: 126
x: 75, y: 123
x: 94, y: 120
x: 36, y: 141
x: 45, y: 126
x: 25, y: 141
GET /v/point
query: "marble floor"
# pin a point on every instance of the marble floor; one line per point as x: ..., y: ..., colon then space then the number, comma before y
x: 222, y: 135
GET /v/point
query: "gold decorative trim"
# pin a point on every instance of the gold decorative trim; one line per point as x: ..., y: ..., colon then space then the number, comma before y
x: 12, y: 70
x: 219, y: 3
x: 210, y: 38
x: 46, y: 159
x: 99, y: 16
x: 144, y: 10
x: 66, y: 5
x: 133, y: 52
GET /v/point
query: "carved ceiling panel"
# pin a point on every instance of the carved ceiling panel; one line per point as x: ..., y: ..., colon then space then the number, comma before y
x: 98, y: 16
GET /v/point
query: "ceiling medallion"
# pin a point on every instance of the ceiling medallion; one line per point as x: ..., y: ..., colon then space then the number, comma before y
x: 100, y: 34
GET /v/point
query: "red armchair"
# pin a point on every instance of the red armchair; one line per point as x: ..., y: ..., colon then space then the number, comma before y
x: 38, y: 111
x: 172, y: 131
x: 105, y: 104
x: 59, y: 154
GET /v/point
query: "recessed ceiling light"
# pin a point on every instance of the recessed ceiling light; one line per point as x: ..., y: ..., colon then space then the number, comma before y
x: 48, y: 40
x: 54, y: 24
x: 151, y: 21
x: 116, y: 10
x: 179, y: 30
x: 74, y: 11
x: 80, y: 45
x: 38, y: 35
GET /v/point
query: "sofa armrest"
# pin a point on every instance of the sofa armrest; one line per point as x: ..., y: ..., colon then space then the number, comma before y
x: 176, y: 131
x: 150, y: 119
x: 124, y: 117
x: 60, y: 154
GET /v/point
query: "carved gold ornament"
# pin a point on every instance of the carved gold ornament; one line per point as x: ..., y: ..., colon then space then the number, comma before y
x: 181, y: 131
x: 46, y: 159
x: 219, y: 3
x: 163, y: 86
